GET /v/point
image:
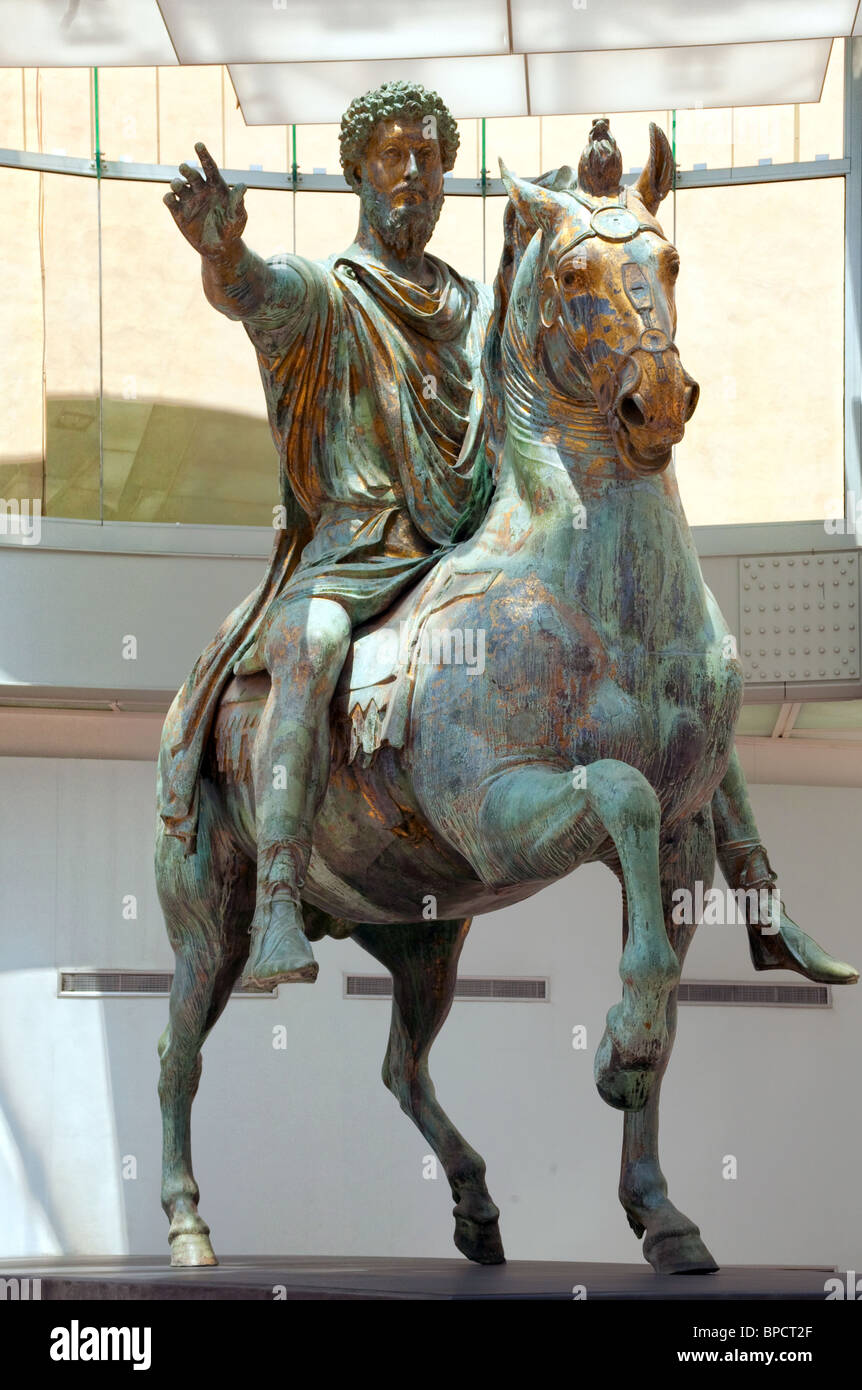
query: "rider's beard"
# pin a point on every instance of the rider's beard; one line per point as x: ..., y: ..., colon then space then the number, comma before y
x: 405, y: 230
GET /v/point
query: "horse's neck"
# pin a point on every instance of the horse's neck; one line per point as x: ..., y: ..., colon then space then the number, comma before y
x: 565, y: 500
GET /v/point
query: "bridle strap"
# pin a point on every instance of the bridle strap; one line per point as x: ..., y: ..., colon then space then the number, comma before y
x: 621, y: 201
x: 596, y: 209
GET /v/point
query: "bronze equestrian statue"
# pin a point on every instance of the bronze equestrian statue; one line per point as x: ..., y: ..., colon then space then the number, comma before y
x: 453, y: 469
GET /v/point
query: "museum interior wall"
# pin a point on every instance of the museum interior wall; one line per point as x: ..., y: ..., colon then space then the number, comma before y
x: 78, y: 1076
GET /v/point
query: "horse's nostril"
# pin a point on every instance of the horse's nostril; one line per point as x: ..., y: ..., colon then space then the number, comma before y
x: 692, y: 397
x: 631, y: 411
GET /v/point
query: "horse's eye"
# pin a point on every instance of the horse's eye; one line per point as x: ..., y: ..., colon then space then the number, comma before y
x: 569, y: 280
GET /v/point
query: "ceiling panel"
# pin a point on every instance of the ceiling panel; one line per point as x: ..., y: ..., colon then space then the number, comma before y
x: 756, y: 74
x: 318, y: 93
x: 539, y: 26
x: 83, y: 33
x: 222, y: 31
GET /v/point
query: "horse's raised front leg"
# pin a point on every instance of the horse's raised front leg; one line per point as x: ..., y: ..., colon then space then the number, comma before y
x: 208, y: 908
x: 539, y: 822
x: 423, y: 961
x: 672, y: 1243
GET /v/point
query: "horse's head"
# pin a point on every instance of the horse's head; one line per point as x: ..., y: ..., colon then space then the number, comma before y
x: 601, y: 306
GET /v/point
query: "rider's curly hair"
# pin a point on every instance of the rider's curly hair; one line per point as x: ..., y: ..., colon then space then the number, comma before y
x: 385, y: 102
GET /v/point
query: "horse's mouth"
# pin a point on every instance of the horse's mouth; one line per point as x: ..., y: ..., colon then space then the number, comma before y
x: 643, y: 460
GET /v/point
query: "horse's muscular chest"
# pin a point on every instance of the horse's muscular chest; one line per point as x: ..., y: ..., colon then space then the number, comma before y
x: 660, y: 692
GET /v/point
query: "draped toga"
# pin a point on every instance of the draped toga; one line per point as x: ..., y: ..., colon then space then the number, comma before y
x: 373, y: 391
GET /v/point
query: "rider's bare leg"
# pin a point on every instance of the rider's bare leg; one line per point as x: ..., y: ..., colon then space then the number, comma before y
x: 304, y: 649
x: 745, y: 865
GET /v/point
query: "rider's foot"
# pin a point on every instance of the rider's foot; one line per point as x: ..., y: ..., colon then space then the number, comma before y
x: 791, y: 949
x: 280, y: 952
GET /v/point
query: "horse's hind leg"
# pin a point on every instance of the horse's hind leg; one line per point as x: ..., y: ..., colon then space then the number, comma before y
x: 672, y: 1243
x: 208, y: 902
x: 538, y: 822
x: 423, y: 961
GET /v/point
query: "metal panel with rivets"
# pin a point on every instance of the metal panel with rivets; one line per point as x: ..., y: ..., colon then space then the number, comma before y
x: 799, y: 617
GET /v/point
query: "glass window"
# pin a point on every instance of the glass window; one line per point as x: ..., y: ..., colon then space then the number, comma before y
x: 761, y: 327
x: 182, y: 433
x: 251, y: 146
x: 185, y: 430
x: 325, y: 223
x: 517, y: 140
x: 564, y: 137
x: 318, y: 149
x: 468, y: 158
x: 191, y: 108
x: 21, y: 443
x: 457, y: 237
x: 12, y: 109
x: 129, y: 115
x: 58, y: 111
x: 69, y: 246
x: 495, y: 209
x: 821, y: 123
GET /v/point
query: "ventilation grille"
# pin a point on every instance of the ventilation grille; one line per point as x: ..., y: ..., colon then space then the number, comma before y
x: 105, y: 984
x: 476, y: 988
x: 799, y: 617
x: 730, y: 992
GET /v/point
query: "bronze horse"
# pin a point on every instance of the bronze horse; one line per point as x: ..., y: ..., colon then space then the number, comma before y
x: 600, y: 728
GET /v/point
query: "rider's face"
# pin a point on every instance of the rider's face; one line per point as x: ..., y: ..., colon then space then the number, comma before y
x: 402, y: 162
x: 401, y: 184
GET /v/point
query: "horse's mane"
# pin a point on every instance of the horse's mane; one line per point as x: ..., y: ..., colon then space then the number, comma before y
x: 516, y: 239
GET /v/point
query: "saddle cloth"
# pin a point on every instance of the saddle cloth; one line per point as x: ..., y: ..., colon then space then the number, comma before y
x: 372, y: 703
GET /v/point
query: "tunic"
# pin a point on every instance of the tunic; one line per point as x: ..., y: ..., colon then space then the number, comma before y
x: 373, y: 391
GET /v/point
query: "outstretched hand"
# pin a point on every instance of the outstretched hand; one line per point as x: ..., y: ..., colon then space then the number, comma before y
x: 209, y: 212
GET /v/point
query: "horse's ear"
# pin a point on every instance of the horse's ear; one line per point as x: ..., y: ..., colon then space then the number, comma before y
x: 656, y: 178
x: 535, y: 206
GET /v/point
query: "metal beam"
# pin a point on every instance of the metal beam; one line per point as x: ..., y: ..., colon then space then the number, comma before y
x: 787, y: 717
x: 335, y: 183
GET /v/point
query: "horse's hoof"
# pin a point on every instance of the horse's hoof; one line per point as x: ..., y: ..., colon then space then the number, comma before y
x: 623, y: 1087
x: 683, y: 1253
x: 190, y: 1250
x: 479, y: 1240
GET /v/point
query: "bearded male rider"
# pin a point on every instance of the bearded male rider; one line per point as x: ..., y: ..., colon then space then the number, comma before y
x: 370, y: 362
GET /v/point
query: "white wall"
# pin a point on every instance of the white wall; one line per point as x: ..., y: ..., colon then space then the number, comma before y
x: 304, y: 1151
x: 65, y: 613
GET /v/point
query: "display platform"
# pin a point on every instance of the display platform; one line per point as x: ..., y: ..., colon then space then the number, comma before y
x: 313, y: 1277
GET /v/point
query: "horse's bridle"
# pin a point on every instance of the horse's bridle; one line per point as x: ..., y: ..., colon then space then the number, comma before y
x: 610, y: 221
x: 615, y: 222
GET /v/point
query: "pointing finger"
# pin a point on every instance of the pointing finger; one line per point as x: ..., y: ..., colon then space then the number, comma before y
x: 208, y: 164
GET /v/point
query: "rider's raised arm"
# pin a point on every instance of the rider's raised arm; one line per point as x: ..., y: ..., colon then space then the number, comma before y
x: 265, y: 295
